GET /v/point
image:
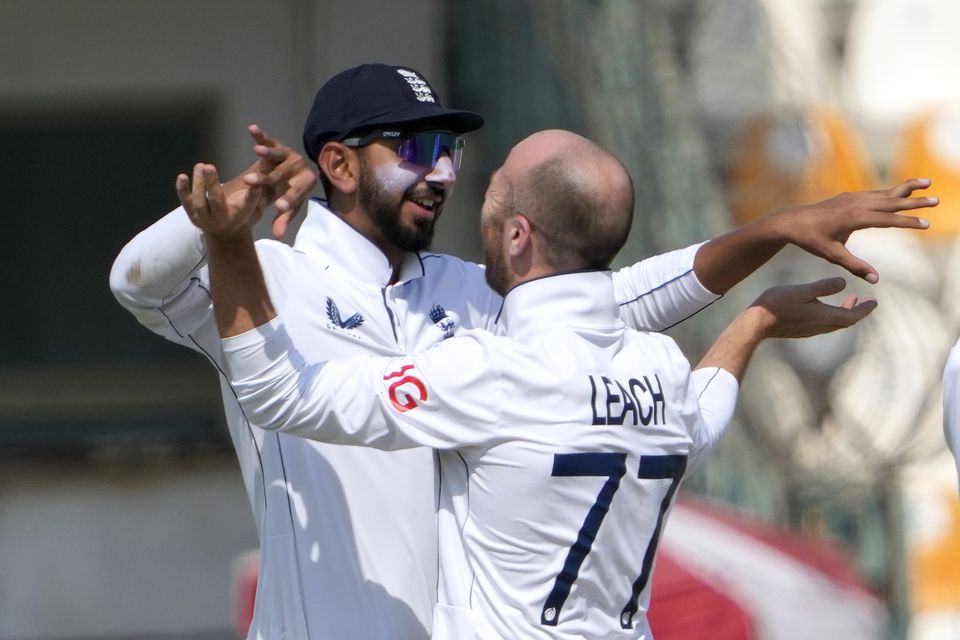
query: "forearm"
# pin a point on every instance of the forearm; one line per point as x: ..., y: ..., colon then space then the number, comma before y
x: 340, y: 402
x: 723, y: 262
x: 734, y: 347
x: 241, y: 301
x: 717, y: 392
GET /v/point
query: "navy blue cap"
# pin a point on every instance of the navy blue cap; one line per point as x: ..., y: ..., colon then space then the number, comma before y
x: 375, y: 95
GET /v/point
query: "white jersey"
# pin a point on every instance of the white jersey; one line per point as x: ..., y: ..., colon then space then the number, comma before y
x: 348, y: 542
x: 951, y: 403
x: 562, y: 447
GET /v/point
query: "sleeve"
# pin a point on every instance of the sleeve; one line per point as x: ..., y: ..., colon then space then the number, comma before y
x: 717, y: 391
x: 951, y: 403
x: 660, y: 292
x: 159, y: 277
x: 447, y: 397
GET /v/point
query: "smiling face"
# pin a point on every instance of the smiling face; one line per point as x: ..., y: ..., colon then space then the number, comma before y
x: 403, y: 200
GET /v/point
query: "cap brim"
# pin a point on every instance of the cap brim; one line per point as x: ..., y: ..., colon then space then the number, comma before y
x: 438, y: 117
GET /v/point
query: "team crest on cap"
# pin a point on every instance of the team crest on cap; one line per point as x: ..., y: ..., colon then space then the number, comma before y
x: 420, y: 87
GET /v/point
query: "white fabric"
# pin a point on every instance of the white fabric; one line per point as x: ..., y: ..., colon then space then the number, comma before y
x: 569, y: 386
x: 951, y: 403
x: 785, y: 597
x: 347, y: 534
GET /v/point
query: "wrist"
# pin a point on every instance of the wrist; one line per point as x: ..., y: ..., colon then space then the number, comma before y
x: 778, y: 227
x: 755, y: 323
x: 229, y: 243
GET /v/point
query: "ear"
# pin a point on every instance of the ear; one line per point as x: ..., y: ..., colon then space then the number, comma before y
x: 341, y: 165
x: 520, y: 230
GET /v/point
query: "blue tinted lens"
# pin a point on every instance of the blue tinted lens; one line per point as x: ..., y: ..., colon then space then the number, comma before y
x: 425, y: 148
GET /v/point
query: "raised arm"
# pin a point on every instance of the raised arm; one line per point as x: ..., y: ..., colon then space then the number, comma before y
x: 241, y: 300
x: 821, y: 229
x: 158, y: 275
x: 659, y: 292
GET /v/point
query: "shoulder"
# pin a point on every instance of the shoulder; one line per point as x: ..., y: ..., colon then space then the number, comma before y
x: 660, y: 348
x: 444, y: 263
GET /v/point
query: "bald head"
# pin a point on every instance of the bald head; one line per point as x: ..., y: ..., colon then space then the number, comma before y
x: 578, y: 196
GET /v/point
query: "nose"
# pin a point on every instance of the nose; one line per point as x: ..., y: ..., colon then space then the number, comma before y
x: 443, y: 172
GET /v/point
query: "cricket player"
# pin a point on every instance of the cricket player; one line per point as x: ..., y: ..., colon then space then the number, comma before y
x: 562, y: 443
x: 348, y: 534
x: 951, y: 403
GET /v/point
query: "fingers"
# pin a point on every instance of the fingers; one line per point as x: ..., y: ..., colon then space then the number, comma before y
x: 298, y: 190
x: 853, y: 264
x: 213, y: 190
x: 182, y: 185
x: 852, y: 310
x: 907, y: 187
x: 821, y: 288
x: 892, y: 205
x: 281, y: 222
x: 268, y: 149
x: 849, y: 316
x: 283, y: 170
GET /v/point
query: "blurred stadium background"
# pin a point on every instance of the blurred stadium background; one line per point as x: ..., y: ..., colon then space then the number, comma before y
x: 122, y: 514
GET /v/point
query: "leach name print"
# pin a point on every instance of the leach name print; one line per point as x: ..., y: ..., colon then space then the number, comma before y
x: 638, y: 401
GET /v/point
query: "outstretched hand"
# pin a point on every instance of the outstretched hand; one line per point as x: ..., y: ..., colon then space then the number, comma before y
x: 823, y: 228
x: 219, y: 215
x: 784, y: 312
x: 796, y: 311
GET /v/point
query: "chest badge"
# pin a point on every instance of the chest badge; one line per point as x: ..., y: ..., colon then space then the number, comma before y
x: 444, y: 322
x: 333, y: 314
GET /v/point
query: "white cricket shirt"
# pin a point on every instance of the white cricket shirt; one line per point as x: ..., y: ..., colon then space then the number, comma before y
x: 348, y: 535
x: 951, y: 403
x: 562, y: 447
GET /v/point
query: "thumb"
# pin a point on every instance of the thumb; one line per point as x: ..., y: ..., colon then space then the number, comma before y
x: 860, y: 311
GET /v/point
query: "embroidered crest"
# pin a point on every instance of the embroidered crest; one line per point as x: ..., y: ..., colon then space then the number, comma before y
x: 333, y: 313
x: 421, y: 89
x: 440, y: 318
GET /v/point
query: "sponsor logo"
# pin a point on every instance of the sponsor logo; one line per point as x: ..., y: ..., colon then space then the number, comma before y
x: 337, y: 321
x: 407, y: 391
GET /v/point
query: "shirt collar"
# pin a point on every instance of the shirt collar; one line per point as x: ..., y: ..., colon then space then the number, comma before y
x: 577, y: 299
x: 323, y: 234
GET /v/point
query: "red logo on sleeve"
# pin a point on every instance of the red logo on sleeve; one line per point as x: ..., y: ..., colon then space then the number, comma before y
x: 407, y: 391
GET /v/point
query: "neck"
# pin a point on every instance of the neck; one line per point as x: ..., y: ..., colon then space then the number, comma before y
x: 363, y: 225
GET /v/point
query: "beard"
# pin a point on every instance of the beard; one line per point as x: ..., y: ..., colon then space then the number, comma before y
x: 495, y: 264
x: 384, y: 210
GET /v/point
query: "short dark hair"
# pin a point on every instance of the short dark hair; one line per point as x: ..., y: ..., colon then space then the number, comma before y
x: 581, y: 228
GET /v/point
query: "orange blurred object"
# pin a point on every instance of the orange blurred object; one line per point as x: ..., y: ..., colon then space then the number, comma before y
x: 930, y: 148
x: 796, y: 158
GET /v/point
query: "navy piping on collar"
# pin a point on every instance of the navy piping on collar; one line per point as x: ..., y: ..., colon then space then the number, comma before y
x: 549, y: 275
x: 423, y: 269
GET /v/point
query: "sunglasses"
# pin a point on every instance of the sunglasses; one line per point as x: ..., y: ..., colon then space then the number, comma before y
x: 422, y: 148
